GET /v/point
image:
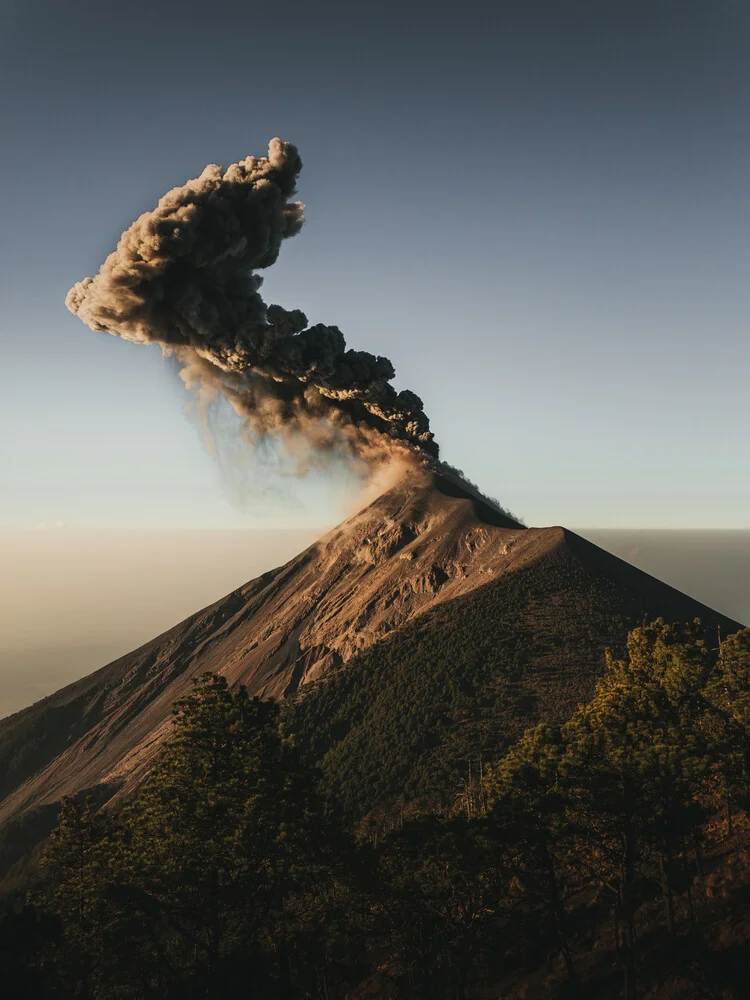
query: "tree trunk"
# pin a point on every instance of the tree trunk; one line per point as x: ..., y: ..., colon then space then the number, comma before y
x: 558, y: 908
x: 689, y: 880
x: 214, y: 935
x: 665, y: 865
x: 323, y: 991
x: 285, y: 972
x: 617, y: 929
x: 631, y: 986
x: 698, y: 858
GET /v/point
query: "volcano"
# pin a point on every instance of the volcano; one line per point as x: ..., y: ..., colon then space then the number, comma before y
x: 428, y: 558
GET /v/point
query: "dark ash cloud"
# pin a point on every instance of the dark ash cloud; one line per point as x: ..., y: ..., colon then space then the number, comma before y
x: 184, y: 276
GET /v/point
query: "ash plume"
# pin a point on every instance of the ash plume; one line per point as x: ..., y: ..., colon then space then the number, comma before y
x: 184, y: 276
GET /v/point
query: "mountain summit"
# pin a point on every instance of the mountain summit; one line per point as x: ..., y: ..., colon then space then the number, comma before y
x: 425, y: 556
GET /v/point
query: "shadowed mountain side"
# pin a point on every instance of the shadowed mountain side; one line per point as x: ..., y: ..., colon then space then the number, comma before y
x: 428, y: 552
x: 408, y: 718
x: 713, y: 566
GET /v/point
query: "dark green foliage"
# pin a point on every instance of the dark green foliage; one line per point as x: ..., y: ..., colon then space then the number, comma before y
x: 29, y: 941
x: 444, y: 899
x: 618, y: 794
x: 226, y: 877
x: 458, y: 684
x: 218, y: 877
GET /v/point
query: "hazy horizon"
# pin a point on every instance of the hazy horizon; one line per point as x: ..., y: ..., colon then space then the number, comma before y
x: 711, y: 566
x: 72, y: 600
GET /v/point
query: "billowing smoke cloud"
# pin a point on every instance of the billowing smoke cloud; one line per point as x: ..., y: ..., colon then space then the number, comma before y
x: 184, y: 276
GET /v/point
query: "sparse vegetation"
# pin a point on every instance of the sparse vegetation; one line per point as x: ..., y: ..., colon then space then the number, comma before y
x: 410, y: 717
x: 602, y: 855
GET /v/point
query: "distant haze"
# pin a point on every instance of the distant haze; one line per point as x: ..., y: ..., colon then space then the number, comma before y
x: 73, y: 600
x: 711, y: 566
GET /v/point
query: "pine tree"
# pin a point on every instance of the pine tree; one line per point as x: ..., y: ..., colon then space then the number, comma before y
x: 215, y: 875
x: 529, y: 817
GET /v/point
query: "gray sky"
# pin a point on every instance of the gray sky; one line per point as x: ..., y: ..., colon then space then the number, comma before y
x: 538, y: 211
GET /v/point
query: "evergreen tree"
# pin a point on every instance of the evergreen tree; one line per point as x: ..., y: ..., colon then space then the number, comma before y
x: 530, y: 818
x: 225, y: 876
x: 728, y: 691
x: 216, y: 871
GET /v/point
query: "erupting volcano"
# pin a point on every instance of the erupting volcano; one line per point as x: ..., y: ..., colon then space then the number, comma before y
x: 427, y: 553
x: 419, y: 564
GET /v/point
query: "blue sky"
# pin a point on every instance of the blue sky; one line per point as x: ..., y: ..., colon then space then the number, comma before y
x: 539, y: 211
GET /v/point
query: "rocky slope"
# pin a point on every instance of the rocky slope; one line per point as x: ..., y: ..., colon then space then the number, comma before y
x: 427, y: 543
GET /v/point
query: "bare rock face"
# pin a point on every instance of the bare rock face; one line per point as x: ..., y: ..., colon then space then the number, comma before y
x: 430, y: 539
x: 426, y: 540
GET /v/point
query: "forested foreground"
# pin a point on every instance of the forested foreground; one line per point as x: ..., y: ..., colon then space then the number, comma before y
x: 605, y: 857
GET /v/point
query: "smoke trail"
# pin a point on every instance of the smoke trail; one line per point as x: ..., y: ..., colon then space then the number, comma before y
x: 184, y: 276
